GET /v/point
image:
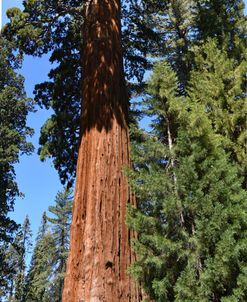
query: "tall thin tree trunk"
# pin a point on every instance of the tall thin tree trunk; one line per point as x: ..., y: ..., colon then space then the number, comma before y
x: 170, y: 144
x: 100, y: 241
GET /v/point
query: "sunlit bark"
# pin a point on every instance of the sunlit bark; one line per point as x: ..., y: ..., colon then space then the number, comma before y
x: 100, y: 241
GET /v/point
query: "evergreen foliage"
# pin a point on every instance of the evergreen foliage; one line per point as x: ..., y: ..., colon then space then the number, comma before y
x: 170, y: 29
x: 224, y: 20
x: 55, y: 28
x: 224, y: 98
x: 15, y: 257
x: 191, y: 216
x: 62, y: 212
x: 8, y: 277
x: 40, y: 271
x: 189, y: 173
x: 14, y: 107
x: 150, y: 29
x: 48, y: 264
x: 24, y: 244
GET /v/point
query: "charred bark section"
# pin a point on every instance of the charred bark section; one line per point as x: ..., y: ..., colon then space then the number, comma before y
x: 100, y: 247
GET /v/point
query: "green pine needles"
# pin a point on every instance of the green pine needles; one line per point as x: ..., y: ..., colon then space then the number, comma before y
x: 46, y: 273
x: 14, y: 107
x: 192, y: 210
x: 189, y: 173
x: 42, y: 278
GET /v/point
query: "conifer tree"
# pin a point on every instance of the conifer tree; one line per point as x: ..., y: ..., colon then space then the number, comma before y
x: 224, y: 20
x: 15, y: 257
x: 224, y: 98
x: 12, y: 255
x: 151, y: 28
x: 162, y: 28
x: 38, y: 30
x: 170, y: 29
x: 37, y: 287
x: 191, y: 217
x: 60, y: 228
x: 55, y: 28
x: 23, y: 242
x: 48, y: 264
x: 14, y: 107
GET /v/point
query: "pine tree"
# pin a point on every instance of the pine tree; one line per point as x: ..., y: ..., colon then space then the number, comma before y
x: 224, y: 98
x: 151, y: 28
x: 60, y: 228
x: 170, y: 29
x: 11, y: 260
x: 15, y: 258
x: 55, y: 28
x: 155, y: 184
x: 162, y: 29
x: 24, y: 245
x: 224, y: 20
x: 44, y: 27
x: 37, y: 285
x: 48, y: 264
x: 14, y: 107
x: 191, y: 217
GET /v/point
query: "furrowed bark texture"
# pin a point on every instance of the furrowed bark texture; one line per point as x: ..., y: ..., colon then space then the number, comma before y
x: 100, y: 241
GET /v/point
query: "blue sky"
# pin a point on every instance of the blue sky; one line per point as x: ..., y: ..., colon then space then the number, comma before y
x: 38, y: 181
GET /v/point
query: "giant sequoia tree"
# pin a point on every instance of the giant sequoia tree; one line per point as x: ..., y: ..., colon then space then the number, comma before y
x: 84, y: 40
x: 100, y: 242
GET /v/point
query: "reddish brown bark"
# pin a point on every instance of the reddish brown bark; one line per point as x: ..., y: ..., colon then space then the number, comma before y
x: 100, y: 241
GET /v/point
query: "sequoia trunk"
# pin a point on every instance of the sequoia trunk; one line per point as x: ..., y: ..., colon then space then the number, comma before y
x: 100, y: 241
